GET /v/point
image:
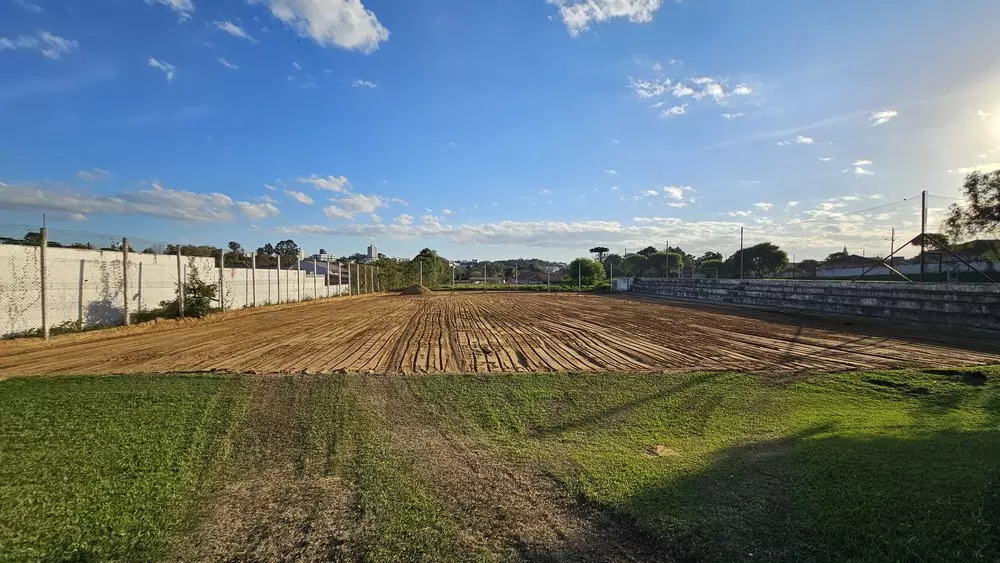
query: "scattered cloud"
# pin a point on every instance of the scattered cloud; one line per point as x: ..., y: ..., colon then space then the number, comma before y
x: 78, y: 217
x: 446, y: 212
x: 299, y: 197
x: 235, y: 30
x: 183, y: 8
x: 352, y: 204
x: 733, y: 115
x: 614, y: 188
x: 331, y: 183
x: 881, y: 117
x: 984, y: 168
x: 545, y: 192
x: 648, y: 88
x: 33, y: 8
x: 764, y: 206
x: 296, y: 65
x: 983, y: 114
x: 861, y: 171
x: 167, y: 68
x: 93, y: 175
x: 270, y: 187
x: 228, y: 64
x: 676, y: 110
x: 863, y: 162
x: 267, y: 199
x: 680, y: 90
x: 746, y: 213
x: 742, y: 90
x: 615, y: 141
x: 177, y: 205
x: 49, y: 45
x: 826, y: 158
x: 363, y: 84
x: 676, y: 192
x: 346, y: 24
x: 791, y: 204
x: 610, y: 172
x: 799, y: 140
x: 577, y: 15
x: 404, y: 220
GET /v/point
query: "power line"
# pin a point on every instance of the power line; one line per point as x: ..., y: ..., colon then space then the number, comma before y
x: 843, y: 214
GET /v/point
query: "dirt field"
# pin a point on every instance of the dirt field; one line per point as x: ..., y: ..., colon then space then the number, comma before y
x: 475, y: 333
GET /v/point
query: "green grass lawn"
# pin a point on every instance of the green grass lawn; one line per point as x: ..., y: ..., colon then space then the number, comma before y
x: 901, y: 465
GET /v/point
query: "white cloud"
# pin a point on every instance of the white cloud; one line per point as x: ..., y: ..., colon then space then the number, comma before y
x: 228, y: 64
x: 331, y: 183
x: 93, y: 175
x: 78, y: 217
x: 299, y: 197
x: 235, y: 30
x: 614, y: 188
x: 676, y: 192
x: 363, y: 84
x: 446, y: 212
x: 792, y: 203
x: 861, y: 171
x: 33, y: 8
x: 680, y: 90
x: 826, y: 158
x: 676, y: 110
x: 764, y: 206
x: 648, y: 88
x: 296, y: 65
x: 677, y: 204
x: 270, y: 187
x: 183, y: 206
x: 342, y: 23
x: 983, y: 114
x: 615, y: 141
x: 799, y: 140
x: 980, y: 168
x: 404, y: 220
x: 610, y: 172
x: 545, y: 192
x: 742, y: 90
x: 880, y: 117
x: 352, y: 204
x: 577, y: 15
x: 733, y: 115
x: 862, y: 162
x: 267, y: 198
x: 49, y: 45
x: 167, y: 68
x: 739, y: 213
x: 183, y: 8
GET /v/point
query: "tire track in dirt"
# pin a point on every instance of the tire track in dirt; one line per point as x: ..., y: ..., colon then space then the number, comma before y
x: 505, y: 507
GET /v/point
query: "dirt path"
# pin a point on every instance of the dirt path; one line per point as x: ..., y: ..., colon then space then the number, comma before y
x: 480, y: 333
x: 504, y: 507
x: 281, y: 500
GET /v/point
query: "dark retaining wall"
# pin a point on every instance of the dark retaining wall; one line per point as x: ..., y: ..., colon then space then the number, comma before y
x: 965, y: 304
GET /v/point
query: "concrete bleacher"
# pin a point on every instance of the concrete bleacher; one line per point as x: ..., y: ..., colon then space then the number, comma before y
x: 963, y: 304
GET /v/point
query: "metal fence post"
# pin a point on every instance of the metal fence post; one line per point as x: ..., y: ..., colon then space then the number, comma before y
x: 340, y: 281
x: 222, y: 275
x: 279, y: 280
x: 128, y: 319
x: 43, y: 285
x: 349, y: 288
x: 315, y: 273
x: 79, y: 304
x: 180, y: 284
x: 299, y: 283
x: 328, y: 277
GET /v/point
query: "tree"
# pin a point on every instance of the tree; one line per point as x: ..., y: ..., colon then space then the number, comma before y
x: 720, y: 267
x: 664, y: 264
x: 235, y: 248
x: 931, y: 246
x: 635, y: 265
x: 648, y: 251
x: 33, y: 238
x: 808, y: 268
x: 266, y: 250
x: 709, y: 256
x: 981, y: 214
x: 842, y: 255
x: 762, y: 259
x: 589, y: 272
x: 288, y: 250
x: 600, y: 252
x: 614, y: 263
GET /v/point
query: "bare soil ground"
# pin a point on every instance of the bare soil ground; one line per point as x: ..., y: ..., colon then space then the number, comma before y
x: 480, y: 333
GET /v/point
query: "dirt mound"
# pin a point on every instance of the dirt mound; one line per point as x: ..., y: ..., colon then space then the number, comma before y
x: 416, y: 290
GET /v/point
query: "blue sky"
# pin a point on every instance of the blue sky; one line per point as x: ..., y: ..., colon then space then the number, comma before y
x: 495, y: 128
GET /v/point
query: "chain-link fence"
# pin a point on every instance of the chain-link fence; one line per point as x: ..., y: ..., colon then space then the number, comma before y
x: 54, y: 281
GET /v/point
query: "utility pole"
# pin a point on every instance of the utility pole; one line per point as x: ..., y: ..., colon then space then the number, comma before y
x: 741, y: 252
x: 892, y: 244
x: 923, y: 233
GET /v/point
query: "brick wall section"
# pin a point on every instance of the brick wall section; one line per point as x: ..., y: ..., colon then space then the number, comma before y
x: 964, y: 304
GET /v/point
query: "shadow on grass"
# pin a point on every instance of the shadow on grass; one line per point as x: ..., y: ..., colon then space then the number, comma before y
x: 818, y: 497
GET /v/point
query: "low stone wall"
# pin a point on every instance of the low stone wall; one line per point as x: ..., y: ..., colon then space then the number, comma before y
x: 963, y: 304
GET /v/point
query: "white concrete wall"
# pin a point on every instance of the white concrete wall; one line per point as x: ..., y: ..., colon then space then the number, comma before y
x: 932, y: 267
x: 86, y: 285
